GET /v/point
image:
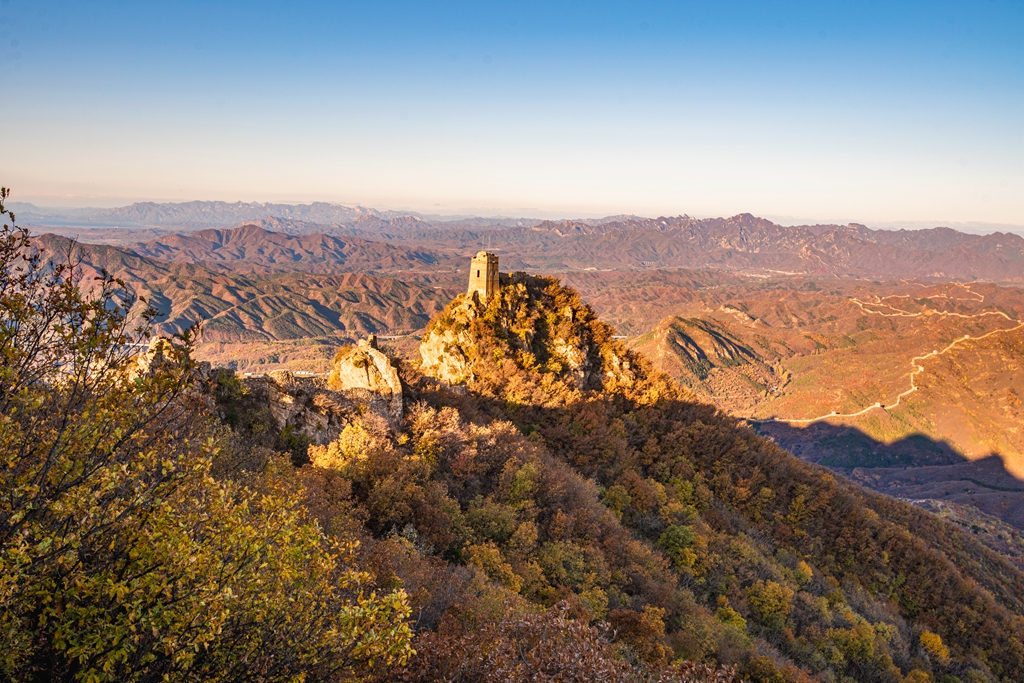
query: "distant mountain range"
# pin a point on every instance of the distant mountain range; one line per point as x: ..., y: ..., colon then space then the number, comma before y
x: 390, y: 274
x: 195, y: 214
x: 752, y: 245
x: 742, y: 244
x: 198, y: 215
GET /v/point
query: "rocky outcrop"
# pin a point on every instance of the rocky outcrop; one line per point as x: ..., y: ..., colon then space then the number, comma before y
x: 619, y: 368
x: 363, y: 371
x: 575, y: 359
x: 362, y: 382
x: 533, y: 322
x: 305, y: 404
x: 159, y: 354
x: 163, y: 354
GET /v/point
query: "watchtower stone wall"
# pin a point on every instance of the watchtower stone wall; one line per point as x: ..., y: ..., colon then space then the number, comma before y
x: 483, y: 275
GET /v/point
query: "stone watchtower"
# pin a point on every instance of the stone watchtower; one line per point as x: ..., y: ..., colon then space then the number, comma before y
x: 483, y: 275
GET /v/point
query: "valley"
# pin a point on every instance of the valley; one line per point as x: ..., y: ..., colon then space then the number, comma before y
x: 910, y: 389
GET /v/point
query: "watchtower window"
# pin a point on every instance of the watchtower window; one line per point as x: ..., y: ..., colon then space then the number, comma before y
x: 478, y: 273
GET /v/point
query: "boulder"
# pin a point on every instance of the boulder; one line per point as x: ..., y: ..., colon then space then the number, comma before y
x: 364, y: 371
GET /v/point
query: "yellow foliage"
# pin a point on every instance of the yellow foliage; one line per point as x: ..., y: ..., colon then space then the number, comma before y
x: 730, y: 617
x: 487, y: 558
x: 596, y: 601
x: 769, y: 599
x: 803, y: 573
x: 353, y: 444
x: 933, y: 644
x: 122, y: 557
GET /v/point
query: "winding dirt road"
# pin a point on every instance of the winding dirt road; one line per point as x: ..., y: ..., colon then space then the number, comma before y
x: 915, y: 367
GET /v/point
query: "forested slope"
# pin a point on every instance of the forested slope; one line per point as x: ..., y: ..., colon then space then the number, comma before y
x: 568, y: 471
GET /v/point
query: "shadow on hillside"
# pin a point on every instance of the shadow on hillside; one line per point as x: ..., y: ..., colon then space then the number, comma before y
x: 843, y: 447
x: 915, y: 468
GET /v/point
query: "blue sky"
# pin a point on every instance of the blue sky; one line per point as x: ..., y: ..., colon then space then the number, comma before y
x: 883, y: 113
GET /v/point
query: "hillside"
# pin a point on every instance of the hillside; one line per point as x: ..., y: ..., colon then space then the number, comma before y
x: 530, y: 500
x: 810, y: 367
x: 726, y: 546
x: 788, y: 348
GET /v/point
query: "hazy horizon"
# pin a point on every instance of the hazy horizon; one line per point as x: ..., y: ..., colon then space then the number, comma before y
x: 527, y: 213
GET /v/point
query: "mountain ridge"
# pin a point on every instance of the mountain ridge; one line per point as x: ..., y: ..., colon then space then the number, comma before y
x: 742, y: 243
x: 253, y: 248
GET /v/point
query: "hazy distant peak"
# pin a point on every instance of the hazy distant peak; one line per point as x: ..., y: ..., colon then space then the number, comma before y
x: 203, y: 214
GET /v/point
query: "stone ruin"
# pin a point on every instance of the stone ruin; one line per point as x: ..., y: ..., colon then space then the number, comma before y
x: 483, y: 276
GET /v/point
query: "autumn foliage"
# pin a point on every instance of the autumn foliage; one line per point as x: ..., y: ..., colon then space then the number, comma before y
x: 572, y: 474
x: 122, y: 556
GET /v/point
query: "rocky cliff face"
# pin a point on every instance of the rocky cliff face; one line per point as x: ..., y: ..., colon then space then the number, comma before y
x: 306, y: 405
x: 318, y: 407
x: 448, y: 349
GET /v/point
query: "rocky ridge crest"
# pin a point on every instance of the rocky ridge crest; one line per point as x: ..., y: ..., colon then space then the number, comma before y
x: 534, y: 323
